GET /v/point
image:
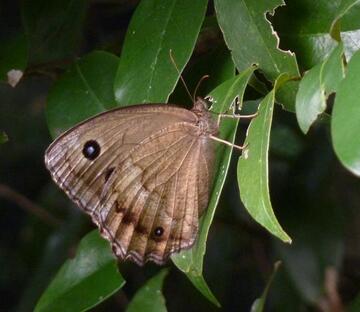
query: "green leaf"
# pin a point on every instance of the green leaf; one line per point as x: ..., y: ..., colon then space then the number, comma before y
x: 345, y: 124
x: 157, y: 27
x: 253, y: 170
x: 191, y: 261
x: 247, y: 19
x: 13, y: 56
x: 53, y: 28
x: 216, y: 64
x: 3, y: 137
x: 83, y: 91
x: 149, y: 297
x: 316, y: 86
x: 259, y: 304
x: 345, y: 7
x: 303, y: 27
x: 85, y: 281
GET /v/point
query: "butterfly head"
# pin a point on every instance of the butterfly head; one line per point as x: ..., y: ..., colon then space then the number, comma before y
x: 200, y: 105
x: 205, y: 123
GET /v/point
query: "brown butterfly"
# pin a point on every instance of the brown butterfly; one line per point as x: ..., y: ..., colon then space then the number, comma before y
x: 143, y: 173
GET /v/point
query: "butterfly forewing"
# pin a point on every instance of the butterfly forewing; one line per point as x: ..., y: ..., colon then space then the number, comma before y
x: 142, y: 173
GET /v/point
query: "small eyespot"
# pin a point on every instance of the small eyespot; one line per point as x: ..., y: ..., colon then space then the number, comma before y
x: 159, y: 231
x: 91, y: 150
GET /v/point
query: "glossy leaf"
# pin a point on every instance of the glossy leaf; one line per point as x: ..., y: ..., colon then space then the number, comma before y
x: 216, y: 64
x: 316, y: 86
x: 242, y: 19
x: 259, y: 304
x: 253, y: 168
x: 304, y: 26
x: 53, y: 28
x: 149, y: 297
x: 83, y: 91
x: 345, y: 124
x: 345, y: 7
x: 157, y: 27
x: 191, y: 261
x: 85, y: 281
x: 13, y: 56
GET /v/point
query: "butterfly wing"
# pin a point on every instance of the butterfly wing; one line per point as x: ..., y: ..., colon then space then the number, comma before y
x: 141, y: 183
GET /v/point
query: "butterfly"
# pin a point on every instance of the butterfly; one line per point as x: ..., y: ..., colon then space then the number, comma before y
x: 143, y: 173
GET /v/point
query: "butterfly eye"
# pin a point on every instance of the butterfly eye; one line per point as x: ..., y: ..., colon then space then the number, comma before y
x: 91, y: 150
x: 159, y: 231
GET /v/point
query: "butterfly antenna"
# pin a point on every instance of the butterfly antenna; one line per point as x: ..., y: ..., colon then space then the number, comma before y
x: 181, y: 77
x: 198, y: 84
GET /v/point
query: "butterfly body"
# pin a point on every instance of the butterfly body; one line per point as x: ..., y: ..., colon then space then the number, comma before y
x: 143, y: 173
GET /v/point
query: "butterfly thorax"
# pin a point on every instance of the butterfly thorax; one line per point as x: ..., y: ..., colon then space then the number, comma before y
x: 205, y: 123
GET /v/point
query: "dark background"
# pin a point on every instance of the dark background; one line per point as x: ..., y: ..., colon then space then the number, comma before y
x: 315, y: 199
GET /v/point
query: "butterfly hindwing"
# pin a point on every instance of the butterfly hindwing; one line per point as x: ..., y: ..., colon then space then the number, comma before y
x: 142, y: 173
x: 155, y: 212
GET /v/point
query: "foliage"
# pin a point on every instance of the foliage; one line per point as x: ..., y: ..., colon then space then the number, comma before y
x: 296, y: 65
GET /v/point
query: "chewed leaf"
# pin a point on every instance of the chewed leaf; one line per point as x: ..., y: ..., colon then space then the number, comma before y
x: 247, y: 19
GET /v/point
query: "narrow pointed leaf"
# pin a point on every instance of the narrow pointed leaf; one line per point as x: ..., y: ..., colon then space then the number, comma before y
x: 253, y: 168
x: 259, y: 304
x: 157, y: 27
x: 191, y: 261
x: 94, y: 269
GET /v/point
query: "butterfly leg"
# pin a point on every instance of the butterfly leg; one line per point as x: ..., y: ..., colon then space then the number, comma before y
x: 240, y: 147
